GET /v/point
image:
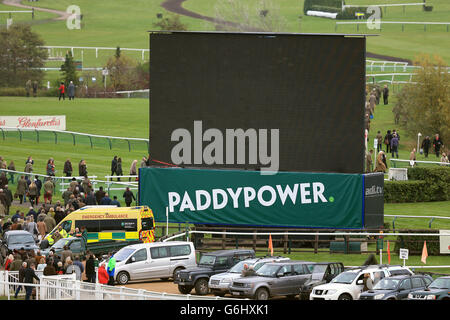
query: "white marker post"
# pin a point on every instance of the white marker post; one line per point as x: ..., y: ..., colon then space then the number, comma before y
x: 403, y: 254
x: 167, y: 221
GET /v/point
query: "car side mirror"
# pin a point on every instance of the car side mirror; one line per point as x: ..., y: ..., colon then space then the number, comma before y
x: 131, y: 260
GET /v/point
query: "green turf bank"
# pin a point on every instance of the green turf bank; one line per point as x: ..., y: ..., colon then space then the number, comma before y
x: 247, y: 198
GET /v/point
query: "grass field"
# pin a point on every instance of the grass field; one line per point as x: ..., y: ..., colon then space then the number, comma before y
x: 126, y: 24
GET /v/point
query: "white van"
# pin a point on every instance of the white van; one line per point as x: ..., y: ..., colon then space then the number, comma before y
x: 153, y: 260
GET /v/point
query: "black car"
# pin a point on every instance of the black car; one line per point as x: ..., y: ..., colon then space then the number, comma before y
x: 396, y: 287
x: 439, y: 289
x: 210, y: 263
x: 322, y: 272
x: 17, y: 240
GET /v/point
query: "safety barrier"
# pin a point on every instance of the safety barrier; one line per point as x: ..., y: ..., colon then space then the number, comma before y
x: 71, y: 136
x: 66, y: 287
x: 396, y: 162
x: 402, y: 23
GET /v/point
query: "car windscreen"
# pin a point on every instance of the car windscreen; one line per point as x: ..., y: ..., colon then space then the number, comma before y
x: 345, y: 277
x: 123, y: 254
x: 207, y: 260
x: 440, y: 284
x: 238, y: 267
x: 386, y: 284
x: 60, y: 244
x: 268, y: 270
x: 21, y: 239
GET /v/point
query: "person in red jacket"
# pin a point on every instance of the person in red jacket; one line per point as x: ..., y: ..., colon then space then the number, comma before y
x: 62, y: 90
x: 103, y: 275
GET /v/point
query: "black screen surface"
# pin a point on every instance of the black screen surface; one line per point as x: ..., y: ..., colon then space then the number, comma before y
x: 310, y: 87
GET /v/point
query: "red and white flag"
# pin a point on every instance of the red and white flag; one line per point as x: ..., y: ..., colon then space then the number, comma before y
x: 424, y: 253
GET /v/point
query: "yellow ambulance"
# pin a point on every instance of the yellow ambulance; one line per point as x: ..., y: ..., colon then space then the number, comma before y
x: 105, y: 223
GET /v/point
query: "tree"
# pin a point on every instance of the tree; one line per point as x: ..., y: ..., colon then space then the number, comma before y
x: 237, y: 15
x: 171, y: 22
x: 122, y: 72
x: 424, y: 106
x: 69, y: 70
x: 21, y: 56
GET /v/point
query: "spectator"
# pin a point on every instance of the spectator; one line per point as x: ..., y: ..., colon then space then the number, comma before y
x: 71, y: 91
x: 368, y: 283
x: 387, y: 140
x: 72, y: 268
x: 133, y: 169
x: 82, y: 168
x: 59, y: 268
x: 444, y: 159
x: 31, y: 227
x: 29, y: 276
x: 103, y: 277
x: 114, y: 166
x: 8, y: 262
x: 78, y: 263
x: 66, y: 196
x: 114, y: 202
x: 119, y: 170
x: 17, y: 263
x: 248, y: 271
x: 437, y: 144
x: 128, y: 196
x: 42, y: 265
x: 22, y: 188
x: 49, y: 269
x: 28, y: 87
x: 369, y: 161
x: 32, y: 193
x: 21, y: 278
x: 111, y: 269
x: 385, y: 94
x: 50, y: 223
x: 62, y: 90
x: 48, y: 190
x: 99, y: 195
x: 9, y: 198
x: 87, y: 185
x: 50, y: 167
x: 42, y: 228
x: 66, y: 253
x: 73, y: 185
x: 2, y: 204
x: 39, y: 187
x: 380, y: 165
x: 90, y: 199
x: 11, y: 167
x: 90, y: 268
x: 35, y: 87
x: 106, y: 200
x: 426, y: 143
x: 412, y: 157
x: 33, y: 214
x: 59, y: 215
x: 394, y: 145
x: 68, y: 168
x: 144, y: 162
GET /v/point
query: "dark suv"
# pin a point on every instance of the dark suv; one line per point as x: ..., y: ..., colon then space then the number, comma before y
x: 210, y: 263
x: 322, y: 272
x: 439, y: 289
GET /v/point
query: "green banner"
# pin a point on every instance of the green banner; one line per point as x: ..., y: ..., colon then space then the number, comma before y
x: 239, y: 197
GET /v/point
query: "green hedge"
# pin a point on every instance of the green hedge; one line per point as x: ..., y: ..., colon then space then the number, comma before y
x: 415, y: 243
x: 14, y: 92
x: 424, y: 184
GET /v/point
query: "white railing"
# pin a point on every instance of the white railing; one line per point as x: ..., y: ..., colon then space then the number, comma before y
x: 383, y: 5
x: 393, y: 160
x: 403, y: 23
x: 66, y: 287
x: 143, y: 51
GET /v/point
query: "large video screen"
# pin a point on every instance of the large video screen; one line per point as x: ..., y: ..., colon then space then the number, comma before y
x: 282, y: 102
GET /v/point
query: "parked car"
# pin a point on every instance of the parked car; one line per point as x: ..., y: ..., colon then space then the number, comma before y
x: 209, y: 264
x: 273, y: 279
x: 439, y: 289
x: 349, y: 284
x: 79, y: 246
x: 322, y: 272
x: 153, y: 260
x: 219, y: 283
x: 396, y: 287
x: 17, y: 240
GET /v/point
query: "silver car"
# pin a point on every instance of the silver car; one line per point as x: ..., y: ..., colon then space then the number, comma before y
x: 153, y: 260
x: 273, y: 279
x: 219, y: 284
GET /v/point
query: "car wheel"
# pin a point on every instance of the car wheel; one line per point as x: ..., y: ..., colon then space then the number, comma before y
x: 175, y: 271
x: 262, y: 294
x: 345, y: 296
x: 123, y: 277
x: 201, y: 287
x: 184, y: 289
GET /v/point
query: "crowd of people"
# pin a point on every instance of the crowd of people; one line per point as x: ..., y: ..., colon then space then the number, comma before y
x: 391, y: 140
